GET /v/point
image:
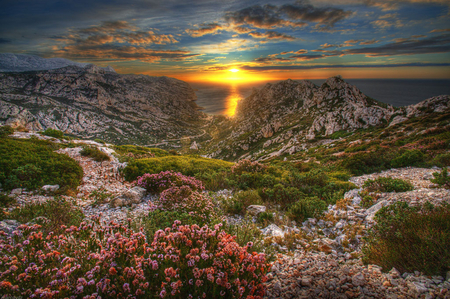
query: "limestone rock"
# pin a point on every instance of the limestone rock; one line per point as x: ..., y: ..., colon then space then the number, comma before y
x: 50, y: 188
x: 273, y: 230
x: 374, y: 209
x: 255, y: 209
x: 8, y: 226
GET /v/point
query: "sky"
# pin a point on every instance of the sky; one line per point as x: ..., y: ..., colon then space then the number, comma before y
x: 202, y: 40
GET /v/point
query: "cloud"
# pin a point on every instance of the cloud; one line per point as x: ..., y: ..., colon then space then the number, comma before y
x: 440, y: 30
x: 293, y: 15
x: 230, y: 45
x: 272, y: 35
x: 260, y: 68
x: 4, y: 41
x: 211, y: 28
x: 303, y: 11
x: 369, y: 42
x: 118, y: 40
x: 383, y: 24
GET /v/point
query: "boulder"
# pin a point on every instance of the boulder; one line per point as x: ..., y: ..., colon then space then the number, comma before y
x: 50, y: 188
x: 132, y: 196
x: 353, y: 195
x: 374, y: 209
x: 16, y: 191
x: 255, y: 209
x: 273, y: 230
x: 358, y: 279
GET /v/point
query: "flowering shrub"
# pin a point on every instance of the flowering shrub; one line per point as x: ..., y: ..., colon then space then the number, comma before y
x: 185, y: 199
x: 245, y: 165
x: 112, y: 261
x: 159, y: 182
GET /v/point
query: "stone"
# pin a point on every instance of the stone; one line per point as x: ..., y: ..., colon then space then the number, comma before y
x: 353, y: 195
x: 273, y: 230
x: 306, y: 282
x: 50, y: 188
x: 16, y: 191
x: 256, y: 209
x: 194, y: 146
x: 340, y: 224
x: 358, y: 279
x: 418, y: 287
x: 374, y: 209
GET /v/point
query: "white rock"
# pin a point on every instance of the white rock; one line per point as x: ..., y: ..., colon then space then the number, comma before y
x: 273, y: 231
x: 256, y: 209
x: 50, y: 188
x: 374, y: 209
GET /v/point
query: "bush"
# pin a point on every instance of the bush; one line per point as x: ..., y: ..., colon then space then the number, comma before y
x: 6, y: 131
x: 33, y: 163
x: 265, y: 218
x: 307, y: 207
x: 408, y: 158
x: 131, y: 152
x: 282, y: 195
x: 387, y: 184
x: 410, y: 238
x: 240, y: 201
x: 94, y: 153
x: 183, y: 198
x: 441, y: 160
x: 114, y: 262
x: 58, y: 211
x: 246, y: 165
x: 156, y: 183
x: 362, y: 163
x: 53, y: 133
x: 441, y: 178
x: 187, y: 165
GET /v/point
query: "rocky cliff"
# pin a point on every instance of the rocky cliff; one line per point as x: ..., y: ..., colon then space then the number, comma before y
x: 285, y: 117
x: 92, y: 102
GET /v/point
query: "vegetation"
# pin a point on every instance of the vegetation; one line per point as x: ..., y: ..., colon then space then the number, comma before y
x: 33, y: 163
x: 187, y: 165
x: 387, y: 184
x: 179, y: 261
x: 127, y: 153
x: 53, y: 133
x: 410, y: 238
x: 442, y: 179
x: 51, y: 214
x: 94, y: 153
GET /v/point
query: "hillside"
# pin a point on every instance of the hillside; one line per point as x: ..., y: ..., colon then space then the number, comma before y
x: 96, y: 103
x: 289, y: 117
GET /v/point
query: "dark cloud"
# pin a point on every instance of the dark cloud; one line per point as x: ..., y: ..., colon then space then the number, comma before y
x: 293, y: 15
x: 304, y: 11
x: 211, y: 28
x: 436, y: 44
x: 272, y: 35
x: 369, y: 42
x: 326, y: 66
x: 4, y: 41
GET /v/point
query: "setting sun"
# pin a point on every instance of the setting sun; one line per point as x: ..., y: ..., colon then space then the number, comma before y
x: 234, y: 70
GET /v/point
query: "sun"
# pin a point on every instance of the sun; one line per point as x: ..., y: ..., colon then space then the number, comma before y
x: 234, y: 70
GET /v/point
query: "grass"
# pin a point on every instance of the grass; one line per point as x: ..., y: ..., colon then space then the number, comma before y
x: 387, y: 184
x: 94, y: 153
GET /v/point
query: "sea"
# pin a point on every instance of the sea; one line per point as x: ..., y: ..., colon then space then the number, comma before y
x: 221, y: 98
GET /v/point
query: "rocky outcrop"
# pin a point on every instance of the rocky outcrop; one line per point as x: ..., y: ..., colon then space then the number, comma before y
x: 281, y: 118
x: 93, y: 102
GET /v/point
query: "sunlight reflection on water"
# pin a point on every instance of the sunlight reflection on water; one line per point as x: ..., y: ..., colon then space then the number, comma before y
x: 231, y: 100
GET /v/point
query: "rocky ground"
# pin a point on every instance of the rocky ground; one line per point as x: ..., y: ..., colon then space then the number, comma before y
x: 324, y: 257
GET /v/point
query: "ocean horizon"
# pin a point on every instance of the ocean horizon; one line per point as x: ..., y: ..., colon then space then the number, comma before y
x: 221, y: 98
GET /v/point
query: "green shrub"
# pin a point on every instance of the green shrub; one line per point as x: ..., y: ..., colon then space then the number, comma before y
x: 442, y: 178
x: 305, y: 208
x: 58, y: 211
x: 410, y: 238
x: 94, y: 153
x: 281, y: 194
x: 265, y: 218
x: 187, y: 165
x: 6, y: 131
x: 240, y: 201
x: 362, y: 163
x: 99, y: 141
x: 53, y: 133
x: 32, y: 163
x: 441, y: 160
x: 408, y: 158
x: 387, y: 184
x: 100, y: 196
x: 366, y: 199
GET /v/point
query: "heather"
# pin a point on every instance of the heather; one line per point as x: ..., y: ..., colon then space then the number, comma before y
x: 158, y: 182
x: 33, y: 163
x: 112, y: 261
